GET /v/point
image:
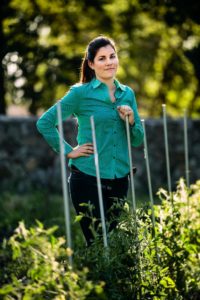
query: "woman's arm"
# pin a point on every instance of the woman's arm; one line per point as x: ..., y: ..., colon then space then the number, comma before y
x: 47, y: 123
x: 137, y: 133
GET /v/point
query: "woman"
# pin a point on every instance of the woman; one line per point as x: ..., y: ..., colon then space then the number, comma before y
x: 100, y: 95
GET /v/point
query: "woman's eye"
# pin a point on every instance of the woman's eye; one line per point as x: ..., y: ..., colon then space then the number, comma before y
x: 103, y: 58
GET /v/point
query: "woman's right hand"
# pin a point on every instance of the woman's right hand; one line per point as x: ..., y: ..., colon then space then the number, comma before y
x: 81, y: 150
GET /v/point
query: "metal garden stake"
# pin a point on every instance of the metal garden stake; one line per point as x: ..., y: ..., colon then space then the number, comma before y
x: 148, y: 175
x: 166, y: 148
x: 133, y: 198
x: 64, y: 181
x: 186, y: 149
x: 150, y: 185
x: 96, y: 160
x: 131, y: 165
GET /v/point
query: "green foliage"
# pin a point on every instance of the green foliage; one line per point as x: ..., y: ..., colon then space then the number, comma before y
x: 180, y: 232
x: 158, y: 42
x: 142, y: 262
x: 34, y: 265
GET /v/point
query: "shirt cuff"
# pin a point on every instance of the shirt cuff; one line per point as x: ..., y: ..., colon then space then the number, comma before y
x: 67, y: 149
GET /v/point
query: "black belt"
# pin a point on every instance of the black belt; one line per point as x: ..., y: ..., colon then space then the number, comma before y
x: 76, y: 170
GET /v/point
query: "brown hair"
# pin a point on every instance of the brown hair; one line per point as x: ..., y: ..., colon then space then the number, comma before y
x: 87, y: 73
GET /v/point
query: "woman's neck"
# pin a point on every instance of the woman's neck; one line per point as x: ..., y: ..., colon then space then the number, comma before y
x: 111, y: 87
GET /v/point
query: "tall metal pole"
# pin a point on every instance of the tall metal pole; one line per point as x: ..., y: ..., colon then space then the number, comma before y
x: 166, y: 148
x: 64, y: 182
x: 96, y: 160
x: 133, y: 200
x: 150, y: 187
x: 186, y: 149
x: 131, y: 165
x: 148, y: 175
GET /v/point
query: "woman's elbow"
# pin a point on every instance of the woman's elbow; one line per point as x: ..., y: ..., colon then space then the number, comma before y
x: 40, y: 124
x: 138, y: 140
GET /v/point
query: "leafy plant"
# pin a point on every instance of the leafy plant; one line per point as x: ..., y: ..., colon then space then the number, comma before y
x: 35, y: 265
x: 140, y: 265
x: 140, y: 262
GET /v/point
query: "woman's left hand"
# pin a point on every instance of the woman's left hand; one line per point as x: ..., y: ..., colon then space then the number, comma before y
x: 125, y: 110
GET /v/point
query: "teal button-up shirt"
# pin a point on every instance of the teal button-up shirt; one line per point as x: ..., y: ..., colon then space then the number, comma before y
x: 93, y: 99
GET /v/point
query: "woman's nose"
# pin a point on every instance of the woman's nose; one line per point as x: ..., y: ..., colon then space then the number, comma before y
x: 108, y: 61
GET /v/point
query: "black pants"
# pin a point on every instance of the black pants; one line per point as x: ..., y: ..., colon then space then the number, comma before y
x: 84, y: 195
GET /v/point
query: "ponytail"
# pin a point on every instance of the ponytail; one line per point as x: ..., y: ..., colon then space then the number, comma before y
x: 86, y: 74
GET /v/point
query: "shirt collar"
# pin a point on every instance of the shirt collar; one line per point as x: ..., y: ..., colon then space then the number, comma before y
x: 96, y: 83
x: 119, y: 85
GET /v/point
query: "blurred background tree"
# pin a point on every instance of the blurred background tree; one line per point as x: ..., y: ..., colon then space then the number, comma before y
x: 42, y: 44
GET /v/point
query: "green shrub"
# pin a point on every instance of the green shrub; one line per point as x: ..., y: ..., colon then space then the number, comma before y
x: 142, y: 262
x: 35, y: 265
x: 143, y: 265
x: 180, y: 234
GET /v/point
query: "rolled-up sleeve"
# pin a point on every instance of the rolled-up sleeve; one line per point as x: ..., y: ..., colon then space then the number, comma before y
x: 47, y: 123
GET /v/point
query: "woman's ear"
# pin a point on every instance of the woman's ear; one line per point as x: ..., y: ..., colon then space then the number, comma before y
x: 90, y: 64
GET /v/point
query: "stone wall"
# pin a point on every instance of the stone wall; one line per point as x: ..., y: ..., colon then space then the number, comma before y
x: 27, y: 162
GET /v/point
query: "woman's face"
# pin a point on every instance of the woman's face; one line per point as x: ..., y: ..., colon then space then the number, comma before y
x: 105, y: 63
